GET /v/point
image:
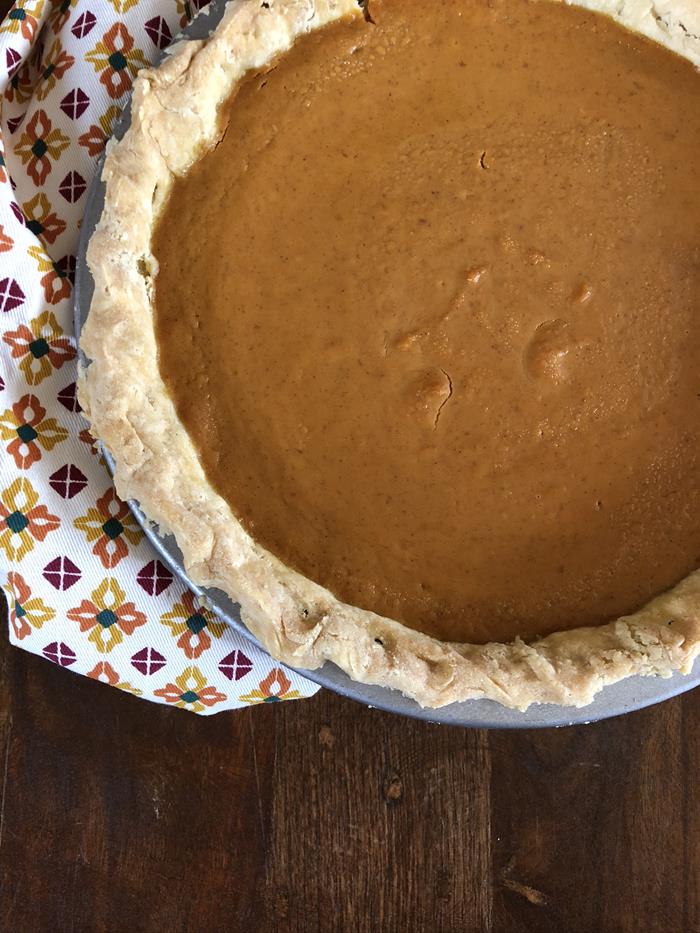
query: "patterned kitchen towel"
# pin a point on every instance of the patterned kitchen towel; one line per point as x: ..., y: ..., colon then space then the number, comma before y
x: 85, y: 588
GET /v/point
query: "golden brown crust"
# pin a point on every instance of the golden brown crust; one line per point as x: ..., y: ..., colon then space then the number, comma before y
x: 174, y: 118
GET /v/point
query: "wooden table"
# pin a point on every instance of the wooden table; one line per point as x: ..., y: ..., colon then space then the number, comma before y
x: 320, y: 815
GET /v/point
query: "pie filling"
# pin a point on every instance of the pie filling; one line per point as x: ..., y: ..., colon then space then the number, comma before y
x: 429, y: 312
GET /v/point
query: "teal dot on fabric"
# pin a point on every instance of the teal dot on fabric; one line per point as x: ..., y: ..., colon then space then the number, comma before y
x: 117, y: 61
x: 196, y: 623
x: 26, y: 433
x: 106, y: 618
x: 112, y: 528
x: 17, y: 522
x: 39, y: 347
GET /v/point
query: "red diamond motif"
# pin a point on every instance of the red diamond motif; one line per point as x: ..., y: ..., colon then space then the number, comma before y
x: 68, y: 397
x: 75, y: 103
x: 17, y: 211
x: 65, y: 267
x: 59, y: 653
x: 72, y: 187
x: 11, y: 295
x: 148, y: 661
x: 158, y: 31
x: 154, y: 578
x: 14, y: 123
x: 14, y: 60
x: 62, y: 573
x: 83, y: 24
x: 68, y: 481
x: 235, y: 665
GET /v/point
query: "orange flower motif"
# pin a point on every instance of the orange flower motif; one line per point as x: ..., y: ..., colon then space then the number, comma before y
x: 56, y: 65
x: 107, y: 616
x: 105, y: 673
x: 272, y: 689
x: 60, y: 17
x: 3, y: 173
x: 27, y: 612
x: 88, y: 439
x: 54, y: 281
x: 110, y: 525
x: 190, y: 691
x: 95, y: 139
x: 27, y: 429
x: 40, y: 348
x: 6, y: 241
x: 22, y: 521
x: 116, y: 60
x: 38, y: 145
x: 41, y: 220
x: 192, y: 623
x: 23, y: 18
x: 19, y: 87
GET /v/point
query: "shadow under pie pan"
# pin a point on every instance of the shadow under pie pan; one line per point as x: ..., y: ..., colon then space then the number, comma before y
x: 630, y: 694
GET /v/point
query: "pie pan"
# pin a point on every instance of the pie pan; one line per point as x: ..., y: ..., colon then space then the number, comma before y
x: 629, y: 694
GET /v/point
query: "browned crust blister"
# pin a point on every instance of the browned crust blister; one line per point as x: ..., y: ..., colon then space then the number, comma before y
x: 174, y: 119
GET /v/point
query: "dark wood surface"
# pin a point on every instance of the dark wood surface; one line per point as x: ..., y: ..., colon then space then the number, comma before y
x: 320, y: 815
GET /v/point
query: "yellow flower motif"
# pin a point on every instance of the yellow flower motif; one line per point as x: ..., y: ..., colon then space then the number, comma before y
x: 39, y: 347
x: 28, y: 611
x: 54, y: 281
x: 194, y: 624
x: 20, y: 86
x: 56, y: 65
x: 106, y: 616
x: 190, y: 691
x: 109, y: 525
x: 95, y: 138
x: 116, y: 60
x: 27, y: 429
x: 41, y: 219
x: 272, y: 689
x: 39, y: 144
x: 122, y: 6
x: 23, y: 18
x: 62, y: 10
x: 105, y: 673
x: 22, y: 520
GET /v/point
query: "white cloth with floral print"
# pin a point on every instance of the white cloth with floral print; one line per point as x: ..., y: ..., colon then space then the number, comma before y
x: 85, y: 588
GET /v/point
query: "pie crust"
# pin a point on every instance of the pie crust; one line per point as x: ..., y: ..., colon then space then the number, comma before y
x: 174, y: 120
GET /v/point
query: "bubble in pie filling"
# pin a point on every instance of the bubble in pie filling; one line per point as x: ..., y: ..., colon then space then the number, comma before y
x: 427, y: 393
x: 546, y: 355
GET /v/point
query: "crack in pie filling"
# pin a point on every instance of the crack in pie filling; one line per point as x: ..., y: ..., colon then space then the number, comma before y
x: 396, y: 327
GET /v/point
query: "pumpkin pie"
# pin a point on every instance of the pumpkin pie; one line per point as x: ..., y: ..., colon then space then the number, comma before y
x: 396, y: 329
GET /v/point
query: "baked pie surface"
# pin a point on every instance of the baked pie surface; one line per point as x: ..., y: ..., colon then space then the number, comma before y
x: 434, y: 363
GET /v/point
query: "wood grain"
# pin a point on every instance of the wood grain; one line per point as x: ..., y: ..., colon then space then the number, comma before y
x: 321, y: 815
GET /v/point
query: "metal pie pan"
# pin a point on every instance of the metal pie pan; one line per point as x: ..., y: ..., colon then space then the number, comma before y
x: 631, y: 694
